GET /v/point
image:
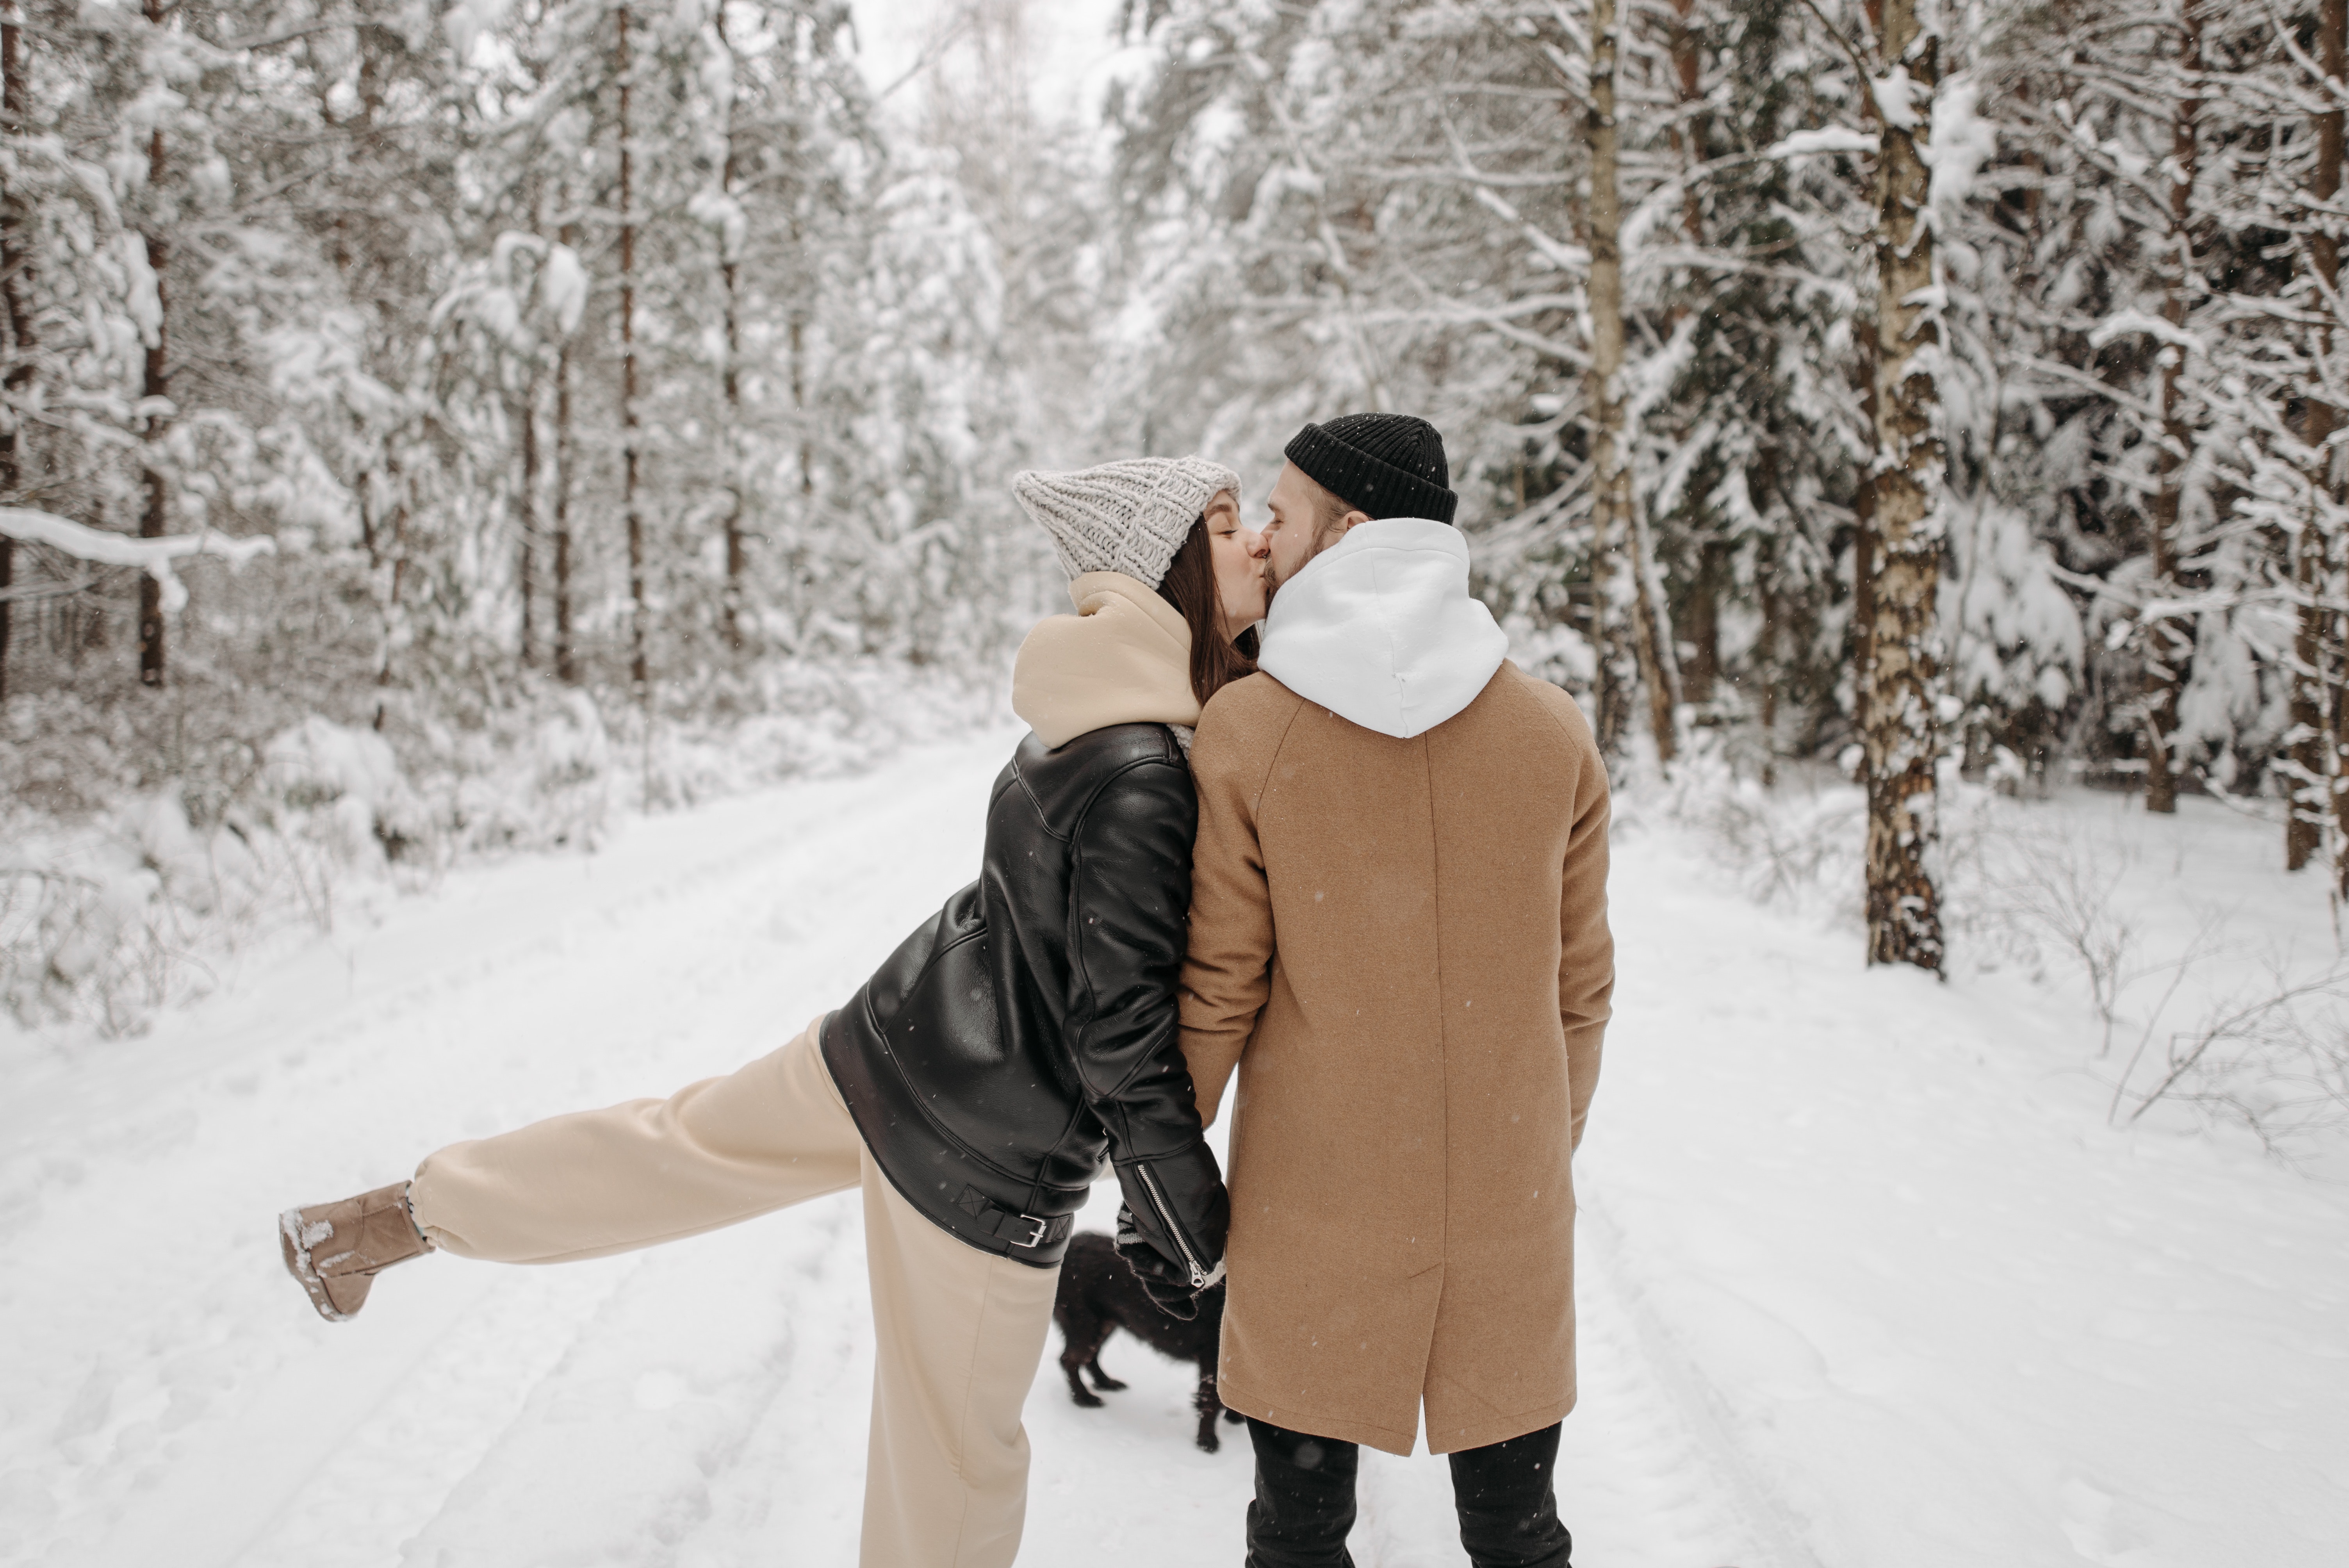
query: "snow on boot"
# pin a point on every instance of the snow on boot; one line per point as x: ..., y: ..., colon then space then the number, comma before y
x: 336, y: 1250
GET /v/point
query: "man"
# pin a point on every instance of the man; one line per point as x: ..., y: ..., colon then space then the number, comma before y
x: 1399, y: 940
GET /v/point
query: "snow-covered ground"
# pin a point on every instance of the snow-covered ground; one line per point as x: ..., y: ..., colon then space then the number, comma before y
x: 1868, y: 1280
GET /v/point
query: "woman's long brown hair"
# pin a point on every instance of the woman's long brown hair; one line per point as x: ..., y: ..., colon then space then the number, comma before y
x: 1217, y: 658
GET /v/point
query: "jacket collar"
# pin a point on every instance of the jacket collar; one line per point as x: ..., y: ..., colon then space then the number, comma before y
x: 1124, y: 658
x: 1380, y: 629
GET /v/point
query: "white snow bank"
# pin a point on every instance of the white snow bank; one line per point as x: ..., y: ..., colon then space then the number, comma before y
x: 103, y: 921
x: 1946, y: 1315
x: 318, y: 761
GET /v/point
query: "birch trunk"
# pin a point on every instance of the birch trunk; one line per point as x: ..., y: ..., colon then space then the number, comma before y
x: 638, y: 675
x: 1863, y: 539
x: 1629, y: 632
x: 2167, y: 642
x: 1899, y: 682
x: 1659, y: 667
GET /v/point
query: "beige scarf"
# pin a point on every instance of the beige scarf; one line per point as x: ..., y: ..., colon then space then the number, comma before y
x: 1124, y: 658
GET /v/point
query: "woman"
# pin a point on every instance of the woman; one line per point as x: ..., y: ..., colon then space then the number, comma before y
x: 976, y: 1084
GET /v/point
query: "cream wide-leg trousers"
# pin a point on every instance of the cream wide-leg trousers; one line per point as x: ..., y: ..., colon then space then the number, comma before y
x: 959, y: 1331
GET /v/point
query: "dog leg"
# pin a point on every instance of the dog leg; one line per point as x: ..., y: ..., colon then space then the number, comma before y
x: 1077, y: 1389
x: 1080, y: 1349
x: 1209, y: 1405
x: 1100, y: 1378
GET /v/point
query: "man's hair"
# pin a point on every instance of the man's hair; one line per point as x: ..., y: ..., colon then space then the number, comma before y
x: 1329, y: 507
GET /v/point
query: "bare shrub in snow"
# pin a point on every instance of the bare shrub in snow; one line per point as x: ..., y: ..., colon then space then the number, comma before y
x: 2032, y: 889
x: 2043, y: 891
x: 2268, y: 1053
x: 1788, y: 843
x: 2271, y: 1056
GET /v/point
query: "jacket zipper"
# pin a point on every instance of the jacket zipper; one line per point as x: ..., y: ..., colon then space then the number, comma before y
x: 1166, y: 1220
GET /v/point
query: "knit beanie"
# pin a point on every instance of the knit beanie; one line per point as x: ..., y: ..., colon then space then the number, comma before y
x: 1130, y: 516
x: 1388, y: 465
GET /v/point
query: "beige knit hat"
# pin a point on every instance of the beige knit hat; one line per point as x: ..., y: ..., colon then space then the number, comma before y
x: 1130, y: 516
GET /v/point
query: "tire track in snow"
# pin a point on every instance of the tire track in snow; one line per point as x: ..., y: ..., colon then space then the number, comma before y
x: 1686, y: 1469
x: 1640, y: 1482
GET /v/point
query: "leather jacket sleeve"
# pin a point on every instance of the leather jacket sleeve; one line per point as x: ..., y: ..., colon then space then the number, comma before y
x: 1129, y: 897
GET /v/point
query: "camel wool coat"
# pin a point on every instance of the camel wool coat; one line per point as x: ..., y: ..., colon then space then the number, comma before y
x: 1400, y: 942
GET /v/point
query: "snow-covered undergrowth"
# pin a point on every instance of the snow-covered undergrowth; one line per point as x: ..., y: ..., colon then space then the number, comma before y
x: 137, y: 899
x: 2207, y: 985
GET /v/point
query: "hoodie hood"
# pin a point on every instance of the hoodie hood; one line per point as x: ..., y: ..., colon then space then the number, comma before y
x: 1380, y: 629
x: 1124, y: 658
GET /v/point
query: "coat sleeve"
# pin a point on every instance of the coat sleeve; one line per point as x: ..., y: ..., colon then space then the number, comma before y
x: 1586, y: 968
x: 1227, y: 974
x: 1128, y: 896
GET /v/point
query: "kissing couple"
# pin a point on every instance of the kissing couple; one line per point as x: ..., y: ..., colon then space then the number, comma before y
x: 1288, y: 822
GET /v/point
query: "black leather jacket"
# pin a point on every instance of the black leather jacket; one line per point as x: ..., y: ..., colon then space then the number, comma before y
x: 1028, y: 1031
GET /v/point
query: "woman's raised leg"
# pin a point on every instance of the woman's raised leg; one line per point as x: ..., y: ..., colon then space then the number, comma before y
x: 600, y: 1182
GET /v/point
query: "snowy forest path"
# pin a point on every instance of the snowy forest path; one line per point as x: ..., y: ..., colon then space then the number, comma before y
x: 173, y: 1400
x: 1865, y: 1277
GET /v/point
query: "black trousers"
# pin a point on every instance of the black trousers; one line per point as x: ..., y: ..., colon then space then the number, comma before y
x: 1305, y: 1501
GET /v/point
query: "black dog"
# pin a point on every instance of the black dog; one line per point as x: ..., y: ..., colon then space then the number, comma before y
x: 1098, y: 1296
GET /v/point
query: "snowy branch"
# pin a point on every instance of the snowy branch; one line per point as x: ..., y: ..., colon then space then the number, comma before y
x: 153, y: 556
x: 1832, y: 138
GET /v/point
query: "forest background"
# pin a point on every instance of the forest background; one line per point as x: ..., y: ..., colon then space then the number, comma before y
x: 598, y: 405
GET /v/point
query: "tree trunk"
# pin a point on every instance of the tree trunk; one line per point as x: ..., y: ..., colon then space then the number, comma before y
x: 526, y: 517
x: 567, y: 657
x: 154, y: 517
x: 1660, y: 665
x: 1899, y: 683
x: 1688, y: 131
x: 638, y: 676
x: 1628, y: 632
x: 2303, y: 828
x: 1863, y: 539
x: 393, y: 641
x: 2318, y: 762
x: 729, y: 275
x: 803, y: 275
x: 1704, y: 622
x: 2167, y: 641
x: 15, y: 283
x: 1767, y: 663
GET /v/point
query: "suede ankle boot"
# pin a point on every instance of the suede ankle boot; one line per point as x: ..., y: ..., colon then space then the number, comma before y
x: 336, y: 1250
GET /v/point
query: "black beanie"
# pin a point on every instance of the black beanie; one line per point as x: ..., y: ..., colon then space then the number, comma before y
x: 1388, y: 465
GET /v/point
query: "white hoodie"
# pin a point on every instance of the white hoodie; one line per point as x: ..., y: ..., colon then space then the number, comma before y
x: 1380, y: 628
